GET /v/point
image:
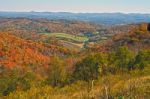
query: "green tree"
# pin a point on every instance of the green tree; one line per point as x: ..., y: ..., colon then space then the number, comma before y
x: 8, y: 81
x: 11, y: 80
x: 56, y: 72
x: 89, y: 68
x: 142, y: 59
x: 123, y: 57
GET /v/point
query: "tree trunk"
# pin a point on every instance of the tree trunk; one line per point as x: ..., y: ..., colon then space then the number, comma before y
x: 106, y: 91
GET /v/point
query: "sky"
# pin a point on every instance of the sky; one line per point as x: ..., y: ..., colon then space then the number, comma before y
x: 90, y: 6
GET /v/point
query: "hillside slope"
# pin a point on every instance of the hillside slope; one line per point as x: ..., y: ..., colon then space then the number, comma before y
x: 15, y: 51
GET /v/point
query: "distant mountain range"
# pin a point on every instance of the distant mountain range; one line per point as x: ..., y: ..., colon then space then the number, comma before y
x: 98, y: 18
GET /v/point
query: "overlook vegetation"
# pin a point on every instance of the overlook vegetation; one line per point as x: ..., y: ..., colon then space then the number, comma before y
x: 50, y: 65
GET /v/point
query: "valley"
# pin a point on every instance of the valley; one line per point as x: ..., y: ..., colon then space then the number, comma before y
x: 67, y: 59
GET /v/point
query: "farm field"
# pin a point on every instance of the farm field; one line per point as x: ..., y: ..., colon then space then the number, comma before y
x: 68, y: 37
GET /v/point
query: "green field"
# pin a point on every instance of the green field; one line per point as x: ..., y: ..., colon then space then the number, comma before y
x: 68, y: 37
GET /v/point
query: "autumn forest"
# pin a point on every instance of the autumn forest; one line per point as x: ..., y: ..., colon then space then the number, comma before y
x: 42, y: 58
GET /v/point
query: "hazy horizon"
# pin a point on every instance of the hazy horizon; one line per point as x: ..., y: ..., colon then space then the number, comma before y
x: 76, y: 6
x: 73, y: 12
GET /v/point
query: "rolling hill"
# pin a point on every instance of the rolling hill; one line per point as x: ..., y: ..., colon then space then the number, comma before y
x: 98, y: 18
x: 17, y: 52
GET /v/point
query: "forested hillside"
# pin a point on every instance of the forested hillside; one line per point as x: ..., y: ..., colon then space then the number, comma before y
x: 40, y: 25
x: 45, y: 59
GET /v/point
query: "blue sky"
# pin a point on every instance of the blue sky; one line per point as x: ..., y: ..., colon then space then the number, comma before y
x: 126, y: 6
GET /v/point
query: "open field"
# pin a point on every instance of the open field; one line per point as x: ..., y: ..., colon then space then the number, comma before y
x: 71, y: 45
x: 68, y: 37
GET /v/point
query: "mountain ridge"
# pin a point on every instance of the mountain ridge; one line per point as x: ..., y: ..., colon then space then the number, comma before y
x: 98, y: 18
